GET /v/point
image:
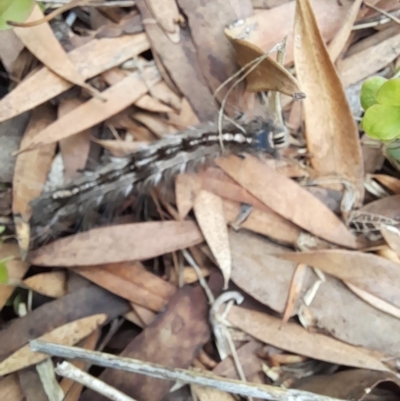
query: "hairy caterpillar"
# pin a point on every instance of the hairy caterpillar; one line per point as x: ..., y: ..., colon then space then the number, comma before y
x: 159, y: 162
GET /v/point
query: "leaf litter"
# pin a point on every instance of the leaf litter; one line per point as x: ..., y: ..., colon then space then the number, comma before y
x: 308, y: 235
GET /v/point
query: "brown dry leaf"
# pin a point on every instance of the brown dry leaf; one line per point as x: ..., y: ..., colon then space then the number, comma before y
x: 10, y: 48
x: 167, y: 16
x: 270, y: 224
x: 145, y: 102
x: 10, y: 389
x: 254, y: 267
x: 336, y: 309
x: 248, y: 359
x: 53, y: 284
x: 90, y: 60
x: 29, y: 174
x: 183, y: 118
x: 16, y: 269
x: 369, y: 272
x: 361, y: 65
x: 388, y: 207
x: 392, y: 237
x: 42, y: 43
x: 68, y: 334
x: 180, y: 64
x: 269, y: 75
x: 331, y: 133
x: 214, y: 52
x: 87, y: 301
x: 294, y: 338
x: 296, y: 286
x: 330, y: 16
x: 391, y: 183
x: 159, y: 126
x: 187, y: 186
x: 211, y: 394
x: 173, y: 340
x: 338, y: 43
x: 119, y: 148
x: 209, y: 212
x: 75, y: 149
x: 119, y: 243
x: 355, y: 384
x: 287, y: 198
x: 145, y: 315
x: 94, y: 111
x: 374, y: 301
x: 131, y: 282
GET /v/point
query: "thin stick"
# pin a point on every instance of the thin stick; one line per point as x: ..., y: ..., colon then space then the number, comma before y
x: 207, y: 379
x: 65, y: 369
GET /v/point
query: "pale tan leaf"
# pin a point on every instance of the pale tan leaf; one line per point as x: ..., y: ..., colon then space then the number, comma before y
x: 166, y: 13
x: 337, y: 44
x: 75, y: 149
x: 369, y: 272
x: 31, y: 169
x: 42, y: 43
x: 16, y: 269
x: 392, y: 237
x: 10, y: 389
x: 208, y: 209
x: 361, y: 65
x: 187, y: 187
x: 68, y: 334
x: 296, y: 284
x: 94, y: 111
x: 119, y: 243
x: 51, y: 284
x: 270, y: 224
x: 294, y: 338
x: 388, y: 181
x: 211, y: 394
x: 376, y: 302
x: 331, y: 133
x: 287, y: 198
x: 120, y: 148
x: 90, y: 60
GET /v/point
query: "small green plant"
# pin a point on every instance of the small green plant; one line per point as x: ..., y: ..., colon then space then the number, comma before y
x: 380, y: 98
x: 14, y: 10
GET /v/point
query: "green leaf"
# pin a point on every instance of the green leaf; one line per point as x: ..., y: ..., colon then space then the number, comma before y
x: 2, y: 228
x: 382, y: 122
x: 14, y: 10
x: 369, y: 89
x: 389, y: 93
x: 3, y: 272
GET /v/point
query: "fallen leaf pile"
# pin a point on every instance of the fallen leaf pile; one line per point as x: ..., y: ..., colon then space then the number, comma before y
x: 305, y: 241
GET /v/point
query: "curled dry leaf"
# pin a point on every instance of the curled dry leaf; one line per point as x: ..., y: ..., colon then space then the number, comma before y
x: 294, y: 338
x: 268, y: 75
x: 369, y: 272
x: 392, y: 183
x: 68, y: 334
x: 209, y: 212
x: 94, y: 111
x: 331, y: 133
x: 119, y: 148
x: 51, y: 284
x: 264, y: 35
x: 41, y: 42
x: 119, y: 243
x: 92, y: 59
x: 288, y: 199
